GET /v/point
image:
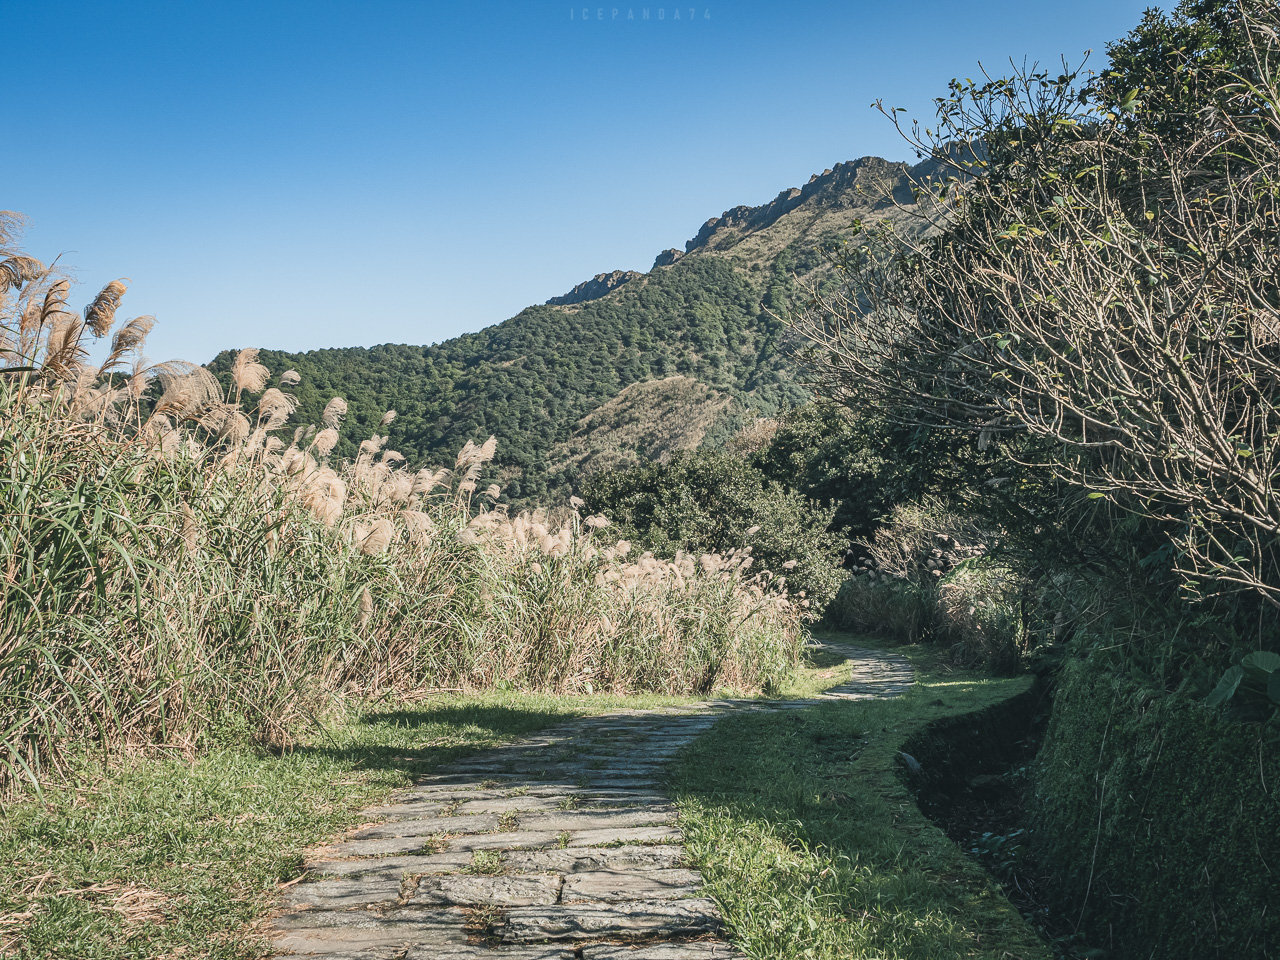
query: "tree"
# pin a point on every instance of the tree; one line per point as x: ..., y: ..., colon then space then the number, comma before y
x: 1101, y: 295
x: 716, y: 502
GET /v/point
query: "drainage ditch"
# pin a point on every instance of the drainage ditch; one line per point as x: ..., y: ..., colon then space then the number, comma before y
x: 970, y: 775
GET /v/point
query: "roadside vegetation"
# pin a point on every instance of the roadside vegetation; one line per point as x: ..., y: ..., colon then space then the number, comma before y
x: 1042, y: 441
x: 179, y: 568
x: 167, y: 853
x: 1080, y: 365
x: 811, y: 843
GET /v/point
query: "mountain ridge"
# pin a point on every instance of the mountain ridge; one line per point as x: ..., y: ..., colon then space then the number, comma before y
x: 708, y: 315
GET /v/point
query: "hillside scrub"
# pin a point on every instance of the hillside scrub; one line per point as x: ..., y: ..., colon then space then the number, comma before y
x: 1157, y: 817
x: 530, y: 380
x: 1103, y: 297
x: 1082, y: 359
x: 716, y: 503
x: 927, y: 574
x: 175, y: 572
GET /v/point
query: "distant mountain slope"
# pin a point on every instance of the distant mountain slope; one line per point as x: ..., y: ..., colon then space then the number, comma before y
x: 646, y: 421
x: 535, y: 380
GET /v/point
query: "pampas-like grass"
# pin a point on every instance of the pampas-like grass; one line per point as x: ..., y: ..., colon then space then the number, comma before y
x: 325, y: 441
x: 275, y: 407
x: 333, y: 413
x: 101, y: 313
x: 18, y: 270
x: 247, y: 374
x: 181, y: 569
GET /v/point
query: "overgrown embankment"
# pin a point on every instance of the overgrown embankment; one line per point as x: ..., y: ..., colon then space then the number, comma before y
x: 1081, y: 365
x: 1159, y: 818
x: 808, y: 837
x: 179, y: 568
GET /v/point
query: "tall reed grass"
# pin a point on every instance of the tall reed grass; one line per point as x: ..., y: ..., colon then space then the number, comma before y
x: 926, y: 575
x: 174, y: 570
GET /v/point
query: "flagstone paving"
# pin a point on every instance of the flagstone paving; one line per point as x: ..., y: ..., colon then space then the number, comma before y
x: 560, y: 846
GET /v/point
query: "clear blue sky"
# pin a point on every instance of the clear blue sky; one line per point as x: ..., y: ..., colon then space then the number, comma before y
x: 312, y: 173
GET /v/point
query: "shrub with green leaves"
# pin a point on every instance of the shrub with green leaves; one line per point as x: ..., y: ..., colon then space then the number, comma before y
x: 715, y: 503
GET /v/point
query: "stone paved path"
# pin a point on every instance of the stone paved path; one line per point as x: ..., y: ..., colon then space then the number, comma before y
x: 559, y: 846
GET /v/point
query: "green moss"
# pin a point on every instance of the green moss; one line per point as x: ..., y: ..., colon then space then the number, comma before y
x: 1159, y: 819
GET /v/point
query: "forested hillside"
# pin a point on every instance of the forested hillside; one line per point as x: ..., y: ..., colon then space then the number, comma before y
x: 534, y: 381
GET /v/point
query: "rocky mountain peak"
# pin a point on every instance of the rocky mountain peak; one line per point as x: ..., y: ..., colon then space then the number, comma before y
x: 595, y: 288
x: 851, y: 183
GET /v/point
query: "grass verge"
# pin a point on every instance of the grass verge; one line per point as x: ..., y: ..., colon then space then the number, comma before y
x: 813, y: 847
x: 165, y: 856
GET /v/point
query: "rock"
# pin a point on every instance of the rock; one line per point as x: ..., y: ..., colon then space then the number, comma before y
x: 464, y: 890
x: 627, y: 920
x: 988, y: 783
x: 614, y: 885
x: 840, y: 186
x: 595, y: 288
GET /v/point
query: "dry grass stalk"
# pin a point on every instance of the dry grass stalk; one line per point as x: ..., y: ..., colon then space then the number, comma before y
x: 247, y: 374
x: 209, y: 520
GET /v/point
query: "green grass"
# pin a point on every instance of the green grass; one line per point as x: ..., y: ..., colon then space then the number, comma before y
x: 822, y: 668
x: 167, y: 856
x: 812, y: 845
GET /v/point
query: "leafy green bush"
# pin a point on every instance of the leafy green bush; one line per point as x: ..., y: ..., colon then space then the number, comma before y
x: 928, y: 576
x: 832, y: 456
x: 717, y: 503
x: 978, y: 613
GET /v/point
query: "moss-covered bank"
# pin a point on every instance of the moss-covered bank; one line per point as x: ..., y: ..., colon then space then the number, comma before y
x: 1160, y: 820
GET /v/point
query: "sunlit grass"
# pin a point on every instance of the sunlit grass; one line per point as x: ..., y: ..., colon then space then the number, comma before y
x: 812, y: 845
x: 178, y: 568
x: 167, y: 855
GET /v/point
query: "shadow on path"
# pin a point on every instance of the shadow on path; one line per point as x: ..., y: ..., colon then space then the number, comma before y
x: 560, y: 846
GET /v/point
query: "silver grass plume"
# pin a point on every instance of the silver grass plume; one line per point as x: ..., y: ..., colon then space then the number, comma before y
x: 425, y: 480
x: 247, y: 373
x: 16, y: 271
x: 234, y: 427
x: 101, y: 313
x: 377, y: 537
x: 129, y: 337
x: 275, y: 407
x: 64, y: 351
x: 188, y: 390
x: 334, y: 411
x: 326, y: 440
